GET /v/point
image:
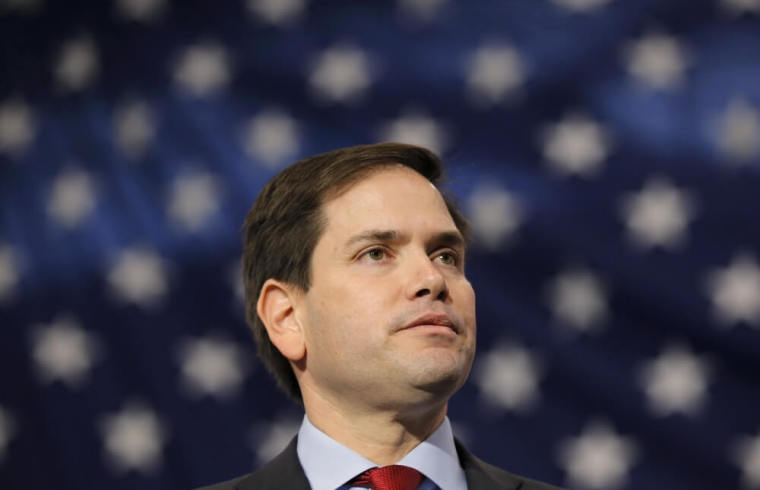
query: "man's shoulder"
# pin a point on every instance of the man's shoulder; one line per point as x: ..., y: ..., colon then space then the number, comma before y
x: 284, y: 471
x: 505, y: 479
x: 482, y: 475
x: 226, y: 485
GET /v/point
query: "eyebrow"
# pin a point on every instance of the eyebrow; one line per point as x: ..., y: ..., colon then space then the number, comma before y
x: 374, y: 236
x: 452, y: 239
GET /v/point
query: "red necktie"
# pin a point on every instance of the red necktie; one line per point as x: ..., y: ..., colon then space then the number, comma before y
x: 393, y: 477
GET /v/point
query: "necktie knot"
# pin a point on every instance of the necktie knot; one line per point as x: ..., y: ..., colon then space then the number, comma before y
x: 393, y: 477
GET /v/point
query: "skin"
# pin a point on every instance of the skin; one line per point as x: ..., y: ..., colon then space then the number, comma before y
x: 390, y: 254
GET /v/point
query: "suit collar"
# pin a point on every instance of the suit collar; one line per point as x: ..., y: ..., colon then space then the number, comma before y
x: 284, y: 471
x: 483, y: 476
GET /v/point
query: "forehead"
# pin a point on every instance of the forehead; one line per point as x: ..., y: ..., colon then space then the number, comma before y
x: 387, y: 196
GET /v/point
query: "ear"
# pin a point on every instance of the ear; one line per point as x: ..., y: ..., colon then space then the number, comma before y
x: 276, y: 309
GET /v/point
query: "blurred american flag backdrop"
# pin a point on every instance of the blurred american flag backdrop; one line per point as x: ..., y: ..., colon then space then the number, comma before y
x: 607, y: 153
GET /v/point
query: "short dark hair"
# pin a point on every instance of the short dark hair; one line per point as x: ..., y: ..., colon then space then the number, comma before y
x: 286, y: 220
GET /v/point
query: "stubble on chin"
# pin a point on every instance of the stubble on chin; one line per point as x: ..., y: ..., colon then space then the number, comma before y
x: 438, y: 372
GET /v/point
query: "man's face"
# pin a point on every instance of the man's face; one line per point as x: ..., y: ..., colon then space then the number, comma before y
x: 390, y: 316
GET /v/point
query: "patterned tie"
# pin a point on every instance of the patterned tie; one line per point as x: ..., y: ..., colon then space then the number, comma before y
x: 393, y: 477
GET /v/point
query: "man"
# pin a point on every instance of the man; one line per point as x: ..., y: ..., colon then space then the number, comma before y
x: 353, y: 265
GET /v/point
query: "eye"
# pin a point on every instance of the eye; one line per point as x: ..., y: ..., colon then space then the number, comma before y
x: 447, y: 258
x: 376, y: 254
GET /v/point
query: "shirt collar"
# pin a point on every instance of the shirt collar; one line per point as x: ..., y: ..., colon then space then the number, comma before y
x: 436, y: 458
x: 329, y: 464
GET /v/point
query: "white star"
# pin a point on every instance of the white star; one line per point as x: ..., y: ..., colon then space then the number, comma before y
x: 277, y: 12
x: 508, y: 376
x: 138, y: 276
x: 494, y: 215
x: 77, y: 64
x: 212, y: 366
x: 7, y: 431
x: 658, y: 215
x: 735, y: 291
x: 64, y: 351
x: 657, y: 61
x: 193, y: 200
x: 72, y: 198
x: 581, y: 5
x: 271, y: 137
x: 17, y: 126
x: 133, y: 439
x: 340, y: 74
x: 675, y: 381
x: 576, y: 146
x: 202, y: 69
x: 416, y: 128
x: 141, y: 10
x: 269, y: 439
x: 746, y: 454
x: 134, y: 127
x: 739, y: 6
x: 495, y: 71
x: 598, y: 458
x: 738, y: 132
x: 9, y: 273
x: 578, y: 299
x: 421, y: 10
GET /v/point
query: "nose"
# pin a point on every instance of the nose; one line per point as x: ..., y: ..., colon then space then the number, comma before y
x: 426, y: 280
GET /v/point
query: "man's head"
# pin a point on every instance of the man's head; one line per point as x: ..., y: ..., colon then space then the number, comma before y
x: 345, y: 249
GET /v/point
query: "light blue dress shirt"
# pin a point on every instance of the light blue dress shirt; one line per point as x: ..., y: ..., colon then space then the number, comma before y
x: 328, y: 464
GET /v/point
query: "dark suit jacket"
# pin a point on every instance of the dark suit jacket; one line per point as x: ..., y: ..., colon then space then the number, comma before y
x: 285, y: 472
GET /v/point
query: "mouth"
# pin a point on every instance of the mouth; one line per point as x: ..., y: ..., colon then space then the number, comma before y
x: 433, y: 322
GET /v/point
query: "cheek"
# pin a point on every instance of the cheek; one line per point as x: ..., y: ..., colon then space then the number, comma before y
x: 365, y: 297
x: 343, y: 320
x: 464, y: 298
x: 466, y: 308
x: 472, y: 303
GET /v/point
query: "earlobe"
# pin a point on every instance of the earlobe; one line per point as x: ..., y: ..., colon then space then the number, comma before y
x: 277, y: 310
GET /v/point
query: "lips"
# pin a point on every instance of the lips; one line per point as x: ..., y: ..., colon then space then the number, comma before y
x: 438, y: 319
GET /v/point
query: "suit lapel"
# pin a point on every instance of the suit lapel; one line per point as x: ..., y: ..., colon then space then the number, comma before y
x: 284, y: 471
x: 483, y: 476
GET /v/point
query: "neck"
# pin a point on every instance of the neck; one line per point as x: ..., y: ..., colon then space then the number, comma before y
x: 382, y: 436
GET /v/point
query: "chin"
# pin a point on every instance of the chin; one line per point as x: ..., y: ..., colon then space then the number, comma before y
x: 441, y: 379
